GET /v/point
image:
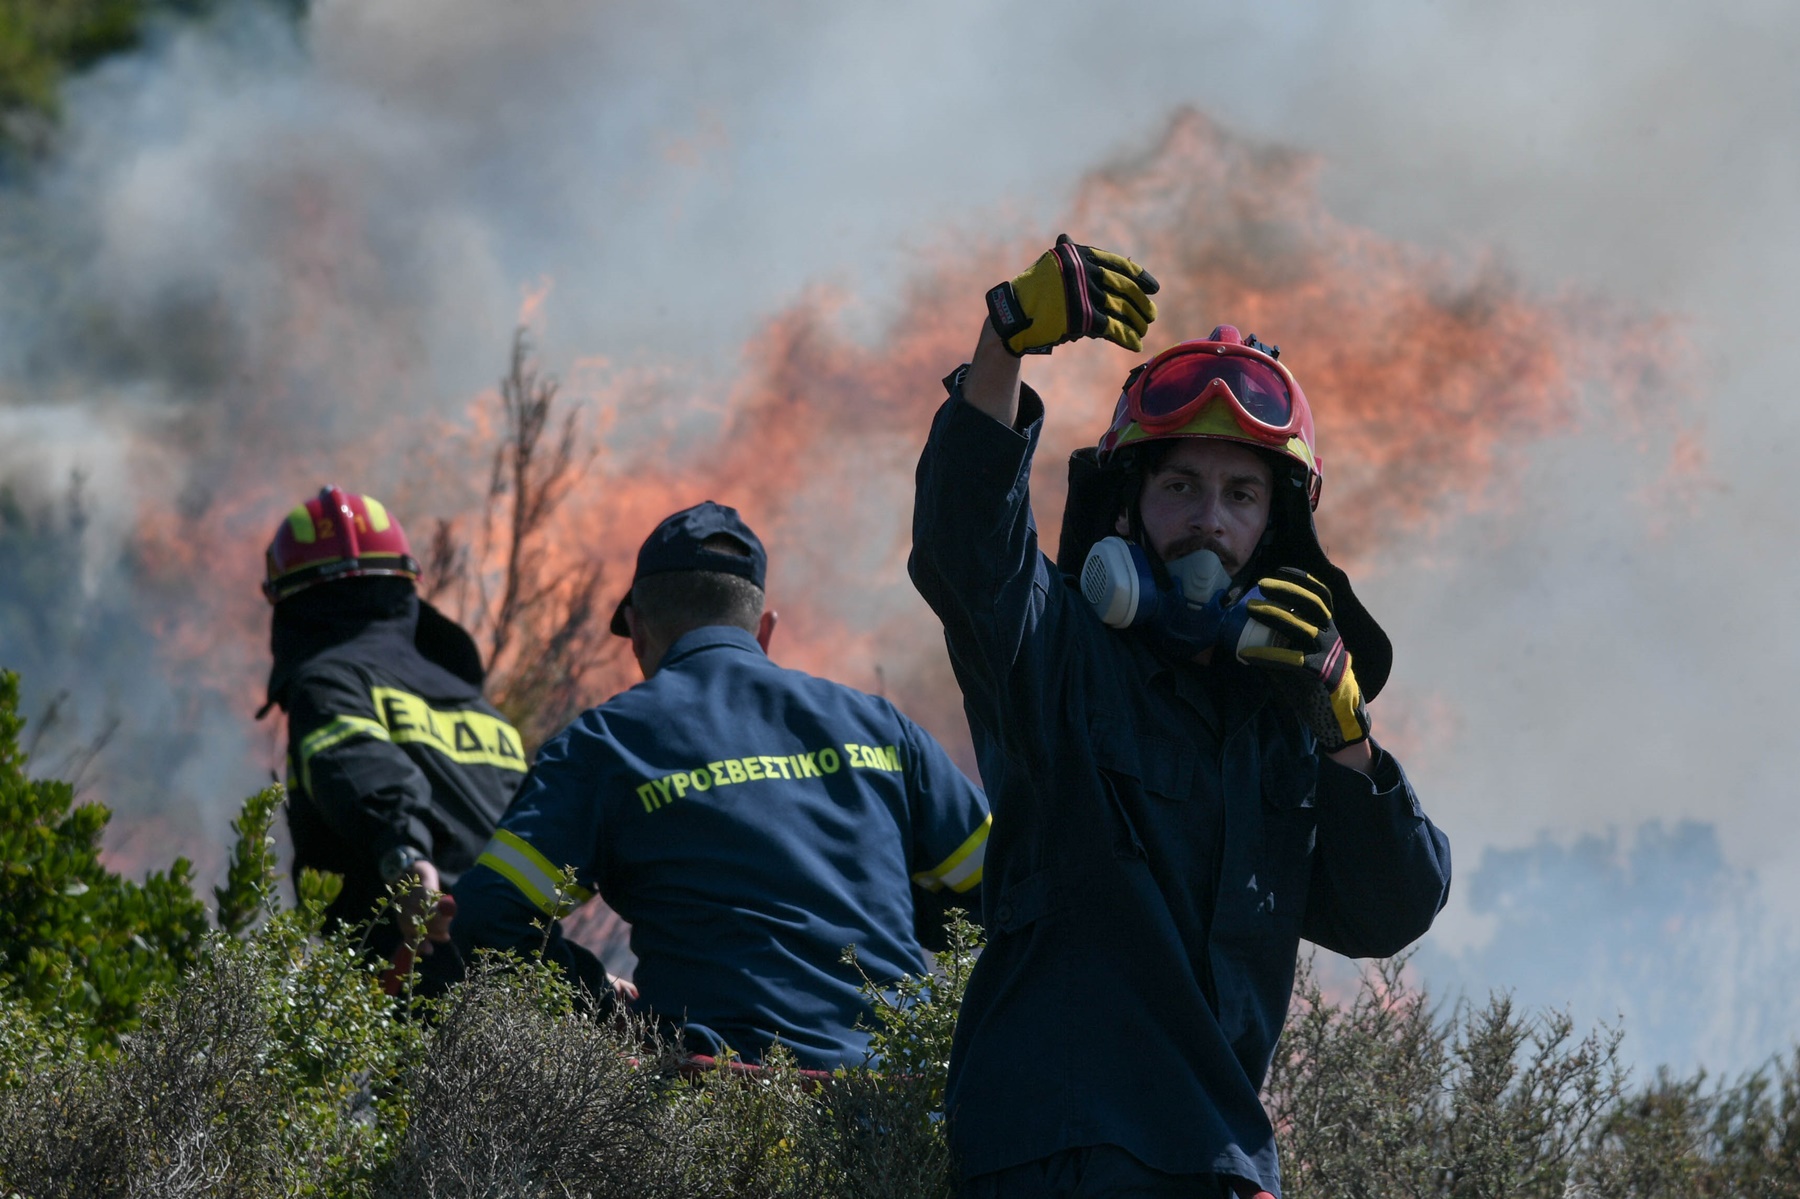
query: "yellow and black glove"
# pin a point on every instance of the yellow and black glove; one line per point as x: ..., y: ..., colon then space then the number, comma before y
x: 1311, y: 666
x: 1073, y: 291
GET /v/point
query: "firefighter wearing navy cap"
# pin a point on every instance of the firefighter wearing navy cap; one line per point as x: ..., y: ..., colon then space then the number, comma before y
x: 1172, y: 723
x: 749, y: 821
x: 398, y: 769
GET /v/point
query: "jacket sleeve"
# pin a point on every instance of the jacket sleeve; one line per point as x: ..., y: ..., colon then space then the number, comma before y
x: 492, y: 913
x: 341, y: 758
x: 950, y: 823
x: 514, y: 895
x: 975, y: 556
x: 1381, y: 868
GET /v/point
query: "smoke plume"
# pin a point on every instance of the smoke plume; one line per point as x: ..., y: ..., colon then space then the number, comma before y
x: 1533, y: 285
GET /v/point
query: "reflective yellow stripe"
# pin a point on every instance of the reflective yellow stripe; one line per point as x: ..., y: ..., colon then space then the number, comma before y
x: 378, y: 517
x: 961, y: 871
x: 301, y: 522
x: 469, y: 737
x: 512, y: 857
x: 341, y: 729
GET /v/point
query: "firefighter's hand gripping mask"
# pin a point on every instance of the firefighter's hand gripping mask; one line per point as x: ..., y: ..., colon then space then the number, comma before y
x: 1074, y: 291
x: 1307, y: 657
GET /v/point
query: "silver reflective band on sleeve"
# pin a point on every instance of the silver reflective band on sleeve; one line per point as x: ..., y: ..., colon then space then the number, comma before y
x: 961, y: 871
x: 512, y: 857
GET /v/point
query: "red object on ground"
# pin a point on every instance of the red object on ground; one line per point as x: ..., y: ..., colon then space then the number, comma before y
x: 697, y: 1064
x: 393, y: 979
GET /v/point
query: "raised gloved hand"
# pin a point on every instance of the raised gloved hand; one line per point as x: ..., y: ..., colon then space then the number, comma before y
x: 1310, y: 664
x: 1074, y: 291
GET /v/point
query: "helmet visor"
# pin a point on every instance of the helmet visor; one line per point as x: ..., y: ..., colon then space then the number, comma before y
x: 1176, y: 390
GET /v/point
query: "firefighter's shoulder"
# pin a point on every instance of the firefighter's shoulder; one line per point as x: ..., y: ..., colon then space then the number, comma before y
x: 330, y: 683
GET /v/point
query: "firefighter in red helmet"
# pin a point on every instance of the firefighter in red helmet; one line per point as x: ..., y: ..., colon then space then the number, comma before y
x: 1173, y: 731
x: 398, y: 768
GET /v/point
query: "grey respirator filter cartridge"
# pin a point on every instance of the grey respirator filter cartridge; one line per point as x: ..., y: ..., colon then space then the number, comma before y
x: 1115, y: 580
x: 1190, y: 614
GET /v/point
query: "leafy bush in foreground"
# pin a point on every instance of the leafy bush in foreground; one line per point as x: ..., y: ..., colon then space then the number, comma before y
x: 263, y: 1071
x: 143, y: 1055
x: 515, y: 1092
x: 78, y: 944
x: 1379, y: 1097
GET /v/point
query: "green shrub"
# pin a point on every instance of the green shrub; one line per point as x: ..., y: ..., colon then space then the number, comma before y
x: 1677, y: 1137
x: 77, y: 943
x: 1381, y: 1097
x: 40, y: 40
x: 266, y: 1070
x: 515, y: 1092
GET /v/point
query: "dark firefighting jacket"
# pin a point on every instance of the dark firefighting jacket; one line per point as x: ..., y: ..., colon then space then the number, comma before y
x: 750, y: 822
x: 390, y: 742
x: 1164, y: 836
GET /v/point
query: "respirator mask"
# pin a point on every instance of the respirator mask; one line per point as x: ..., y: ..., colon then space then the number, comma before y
x: 1195, y: 611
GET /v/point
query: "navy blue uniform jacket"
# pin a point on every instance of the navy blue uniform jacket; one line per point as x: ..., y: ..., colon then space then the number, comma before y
x: 1164, y: 836
x: 750, y: 822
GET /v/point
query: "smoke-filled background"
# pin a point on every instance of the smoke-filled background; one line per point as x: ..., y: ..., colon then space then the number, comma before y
x: 1534, y: 266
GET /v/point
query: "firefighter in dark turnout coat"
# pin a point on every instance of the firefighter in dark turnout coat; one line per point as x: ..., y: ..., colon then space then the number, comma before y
x: 398, y: 769
x: 1172, y: 727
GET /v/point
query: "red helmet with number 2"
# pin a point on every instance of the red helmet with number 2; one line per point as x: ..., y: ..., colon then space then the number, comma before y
x: 337, y: 535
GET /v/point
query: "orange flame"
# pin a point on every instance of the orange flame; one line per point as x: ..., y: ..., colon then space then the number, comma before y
x: 1427, y: 376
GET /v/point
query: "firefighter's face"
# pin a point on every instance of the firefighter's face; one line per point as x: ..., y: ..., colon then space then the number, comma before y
x: 1207, y: 494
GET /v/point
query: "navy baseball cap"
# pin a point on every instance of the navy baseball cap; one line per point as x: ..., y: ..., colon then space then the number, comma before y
x: 677, y: 544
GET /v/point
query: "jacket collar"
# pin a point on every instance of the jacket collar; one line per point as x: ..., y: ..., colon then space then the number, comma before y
x: 716, y: 636
x: 309, y: 624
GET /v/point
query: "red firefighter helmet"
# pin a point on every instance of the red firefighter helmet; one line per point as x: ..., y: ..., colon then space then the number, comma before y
x: 337, y: 535
x: 1227, y: 387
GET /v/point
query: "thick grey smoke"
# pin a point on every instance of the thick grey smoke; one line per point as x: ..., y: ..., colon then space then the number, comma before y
x: 344, y: 219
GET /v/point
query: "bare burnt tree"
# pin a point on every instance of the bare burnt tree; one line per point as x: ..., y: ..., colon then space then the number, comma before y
x: 446, y: 565
x: 530, y: 477
x: 537, y: 611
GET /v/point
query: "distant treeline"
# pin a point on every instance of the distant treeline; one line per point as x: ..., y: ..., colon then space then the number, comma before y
x: 43, y: 42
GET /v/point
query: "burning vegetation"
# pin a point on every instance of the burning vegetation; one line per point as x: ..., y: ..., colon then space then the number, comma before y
x: 1432, y: 379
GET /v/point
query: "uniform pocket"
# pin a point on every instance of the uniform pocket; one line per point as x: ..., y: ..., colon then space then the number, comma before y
x: 1136, y: 771
x: 1026, y: 902
x: 1050, y: 891
x: 1155, y: 764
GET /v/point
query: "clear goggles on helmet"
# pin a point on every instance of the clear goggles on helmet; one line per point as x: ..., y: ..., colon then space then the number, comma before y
x: 1179, y: 383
